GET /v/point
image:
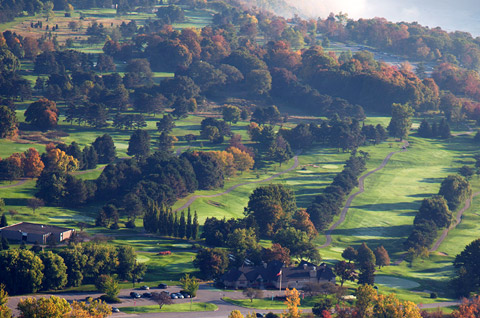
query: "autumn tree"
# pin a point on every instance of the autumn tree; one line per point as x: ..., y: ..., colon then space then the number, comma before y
x: 54, y: 307
x: 8, y: 122
x: 32, y: 163
x: 58, y: 160
x: 292, y: 302
x: 190, y: 284
x: 252, y: 293
x: 5, y: 312
x: 401, y: 121
x: 43, y: 114
x: 469, y: 308
x: 162, y: 299
x: 242, y: 161
x: 381, y: 256
x: 235, y: 314
x: 345, y: 271
x: 350, y: 254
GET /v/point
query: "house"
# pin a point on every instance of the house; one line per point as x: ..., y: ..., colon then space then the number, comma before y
x: 32, y: 232
x: 275, y: 274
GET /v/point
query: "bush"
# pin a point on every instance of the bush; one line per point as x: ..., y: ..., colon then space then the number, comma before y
x: 130, y: 224
x: 110, y: 300
x: 115, y: 226
x: 433, y: 295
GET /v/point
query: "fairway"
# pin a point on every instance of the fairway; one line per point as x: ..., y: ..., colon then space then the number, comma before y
x: 395, y: 282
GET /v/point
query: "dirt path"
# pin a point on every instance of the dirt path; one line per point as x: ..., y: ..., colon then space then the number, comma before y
x: 361, y: 189
x: 276, y: 175
x: 458, y: 219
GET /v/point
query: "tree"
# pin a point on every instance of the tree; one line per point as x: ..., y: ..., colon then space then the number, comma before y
x: 139, y: 144
x: 166, y: 124
x: 365, y: 300
x: 276, y: 253
x: 20, y: 271
x: 279, y: 150
x: 162, y: 299
x: 35, y: 203
x: 235, y: 314
x: 211, y: 262
x: 297, y: 242
x: 5, y: 244
x: 466, y: 172
x: 105, y: 148
x: 3, y: 221
x: 455, y: 189
x: 92, y: 309
x: 8, y: 122
x: 259, y: 82
x: 467, y: 269
x: 5, y: 312
x: 401, y: 120
x: 425, y: 130
x: 58, y: 160
x: 32, y: 163
x: 126, y: 260
x: 292, y: 302
x: 190, y: 285
x: 345, y: 271
x: 241, y: 159
x: 367, y: 274
x: 365, y: 256
x: 166, y: 142
x: 231, y: 113
x: 195, y: 226
x: 436, y: 210
x: 252, y: 293
x: 109, y: 285
x: 54, y: 307
x: 43, y: 114
x: 271, y: 205
x: 381, y: 257
x: 55, y: 271
x: 469, y: 308
x: 350, y: 254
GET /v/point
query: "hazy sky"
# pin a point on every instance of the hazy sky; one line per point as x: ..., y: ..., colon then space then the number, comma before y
x: 450, y: 15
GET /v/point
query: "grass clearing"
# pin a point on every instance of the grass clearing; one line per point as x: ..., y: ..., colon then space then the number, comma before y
x: 183, y: 307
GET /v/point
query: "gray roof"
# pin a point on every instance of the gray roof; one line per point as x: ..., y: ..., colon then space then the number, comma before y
x: 34, y: 228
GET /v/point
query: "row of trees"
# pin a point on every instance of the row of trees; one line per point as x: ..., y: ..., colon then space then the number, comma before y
x: 328, y: 204
x: 23, y: 271
x: 159, y: 219
x: 440, y: 130
x: 435, y: 213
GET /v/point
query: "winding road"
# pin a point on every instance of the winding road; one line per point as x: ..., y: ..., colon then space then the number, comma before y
x: 361, y: 189
x: 276, y: 175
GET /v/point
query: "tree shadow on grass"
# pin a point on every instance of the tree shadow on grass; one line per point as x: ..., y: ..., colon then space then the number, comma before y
x: 16, y: 201
x: 376, y: 231
x: 432, y: 180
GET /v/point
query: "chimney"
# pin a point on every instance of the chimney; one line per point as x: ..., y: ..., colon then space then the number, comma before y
x: 305, y: 267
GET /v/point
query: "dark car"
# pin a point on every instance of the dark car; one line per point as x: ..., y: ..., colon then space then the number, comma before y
x: 147, y: 295
x: 135, y: 295
x: 260, y: 315
x: 185, y: 294
x: 144, y: 287
x: 115, y: 309
x: 162, y: 286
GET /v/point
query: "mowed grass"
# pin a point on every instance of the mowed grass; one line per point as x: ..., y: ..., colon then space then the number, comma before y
x: 183, y: 307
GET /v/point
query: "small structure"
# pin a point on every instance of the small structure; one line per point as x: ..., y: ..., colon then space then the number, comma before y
x: 275, y: 274
x: 32, y: 232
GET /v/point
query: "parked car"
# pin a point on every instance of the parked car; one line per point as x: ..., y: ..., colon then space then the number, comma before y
x: 162, y: 286
x: 115, y: 309
x: 135, y: 295
x: 144, y: 287
x: 185, y: 294
x: 180, y: 296
x: 173, y: 296
x: 260, y: 315
x: 147, y: 295
x: 166, y: 292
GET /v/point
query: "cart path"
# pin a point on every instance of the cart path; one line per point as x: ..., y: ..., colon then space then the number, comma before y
x: 458, y: 219
x: 17, y: 184
x: 361, y: 189
x: 276, y: 175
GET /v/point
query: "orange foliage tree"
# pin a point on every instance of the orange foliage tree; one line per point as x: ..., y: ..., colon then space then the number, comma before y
x: 470, y: 308
x: 242, y: 161
x: 32, y: 163
x: 292, y: 302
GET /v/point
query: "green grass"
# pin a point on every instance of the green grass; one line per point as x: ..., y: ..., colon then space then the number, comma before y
x: 183, y: 307
x: 268, y: 303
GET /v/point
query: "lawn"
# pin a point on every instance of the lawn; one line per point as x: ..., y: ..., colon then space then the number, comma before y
x: 183, y: 307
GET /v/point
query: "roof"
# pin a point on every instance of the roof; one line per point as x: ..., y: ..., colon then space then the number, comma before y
x: 34, y: 228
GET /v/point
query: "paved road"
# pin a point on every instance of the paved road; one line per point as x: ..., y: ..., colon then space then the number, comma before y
x: 195, y: 197
x: 361, y: 189
x: 205, y: 294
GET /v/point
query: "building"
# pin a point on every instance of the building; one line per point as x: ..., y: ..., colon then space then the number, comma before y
x: 276, y: 275
x: 32, y: 232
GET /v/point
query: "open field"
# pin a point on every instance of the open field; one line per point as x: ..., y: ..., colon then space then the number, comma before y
x: 183, y: 307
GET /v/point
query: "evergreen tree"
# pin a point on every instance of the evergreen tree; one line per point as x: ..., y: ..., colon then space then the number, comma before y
x: 5, y: 244
x: 367, y: 274
x: 175, y: 225
x: 90, y: 158
x: 425, y: 130
x: 139, y: 144
x: 365, y: 256
x: 3, y: 221
x: 434, y: 130
x: 401, y: 120
x: 195, y: 227
x: 189, y: 224
x: 171, y: 224
x: 105, y: 148
x: 166, y: 124
x: 182, y: 226
x: 444, y: 129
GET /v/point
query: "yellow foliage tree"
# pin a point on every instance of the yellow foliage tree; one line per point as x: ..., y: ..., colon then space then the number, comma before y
x: 226, y: 158
x: 53, y: 307
x: 235, y: 314
x: 241, y: 160
x: 32, y: 163
x: 5, y: 312
x: 95, y: 309
x: 292, y: 302
x: 62, y: 161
